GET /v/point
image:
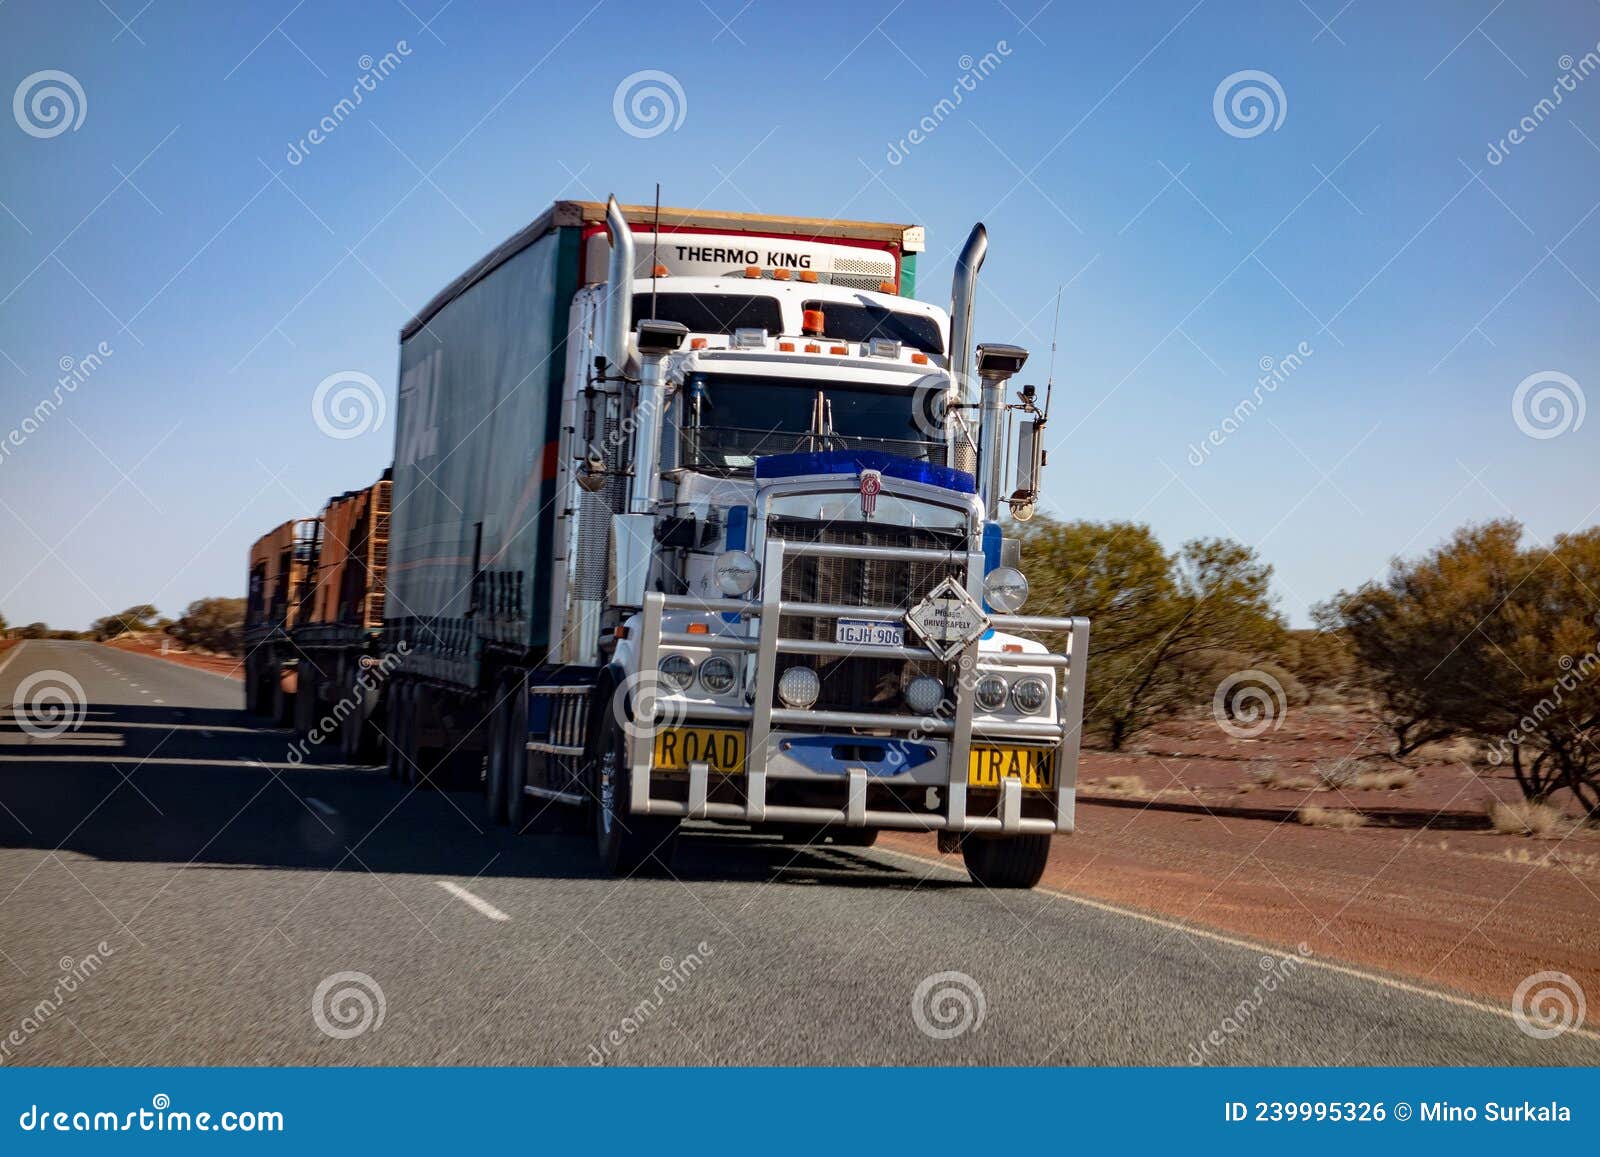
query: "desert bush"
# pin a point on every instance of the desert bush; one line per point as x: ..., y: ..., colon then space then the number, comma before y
x: 1524, y: 817
x: 213, y: 625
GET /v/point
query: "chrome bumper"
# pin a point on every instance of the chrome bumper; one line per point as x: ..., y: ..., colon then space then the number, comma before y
x: 762, y: 718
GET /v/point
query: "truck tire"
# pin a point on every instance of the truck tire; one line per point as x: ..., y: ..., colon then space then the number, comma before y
x: 495, y: 782
x: 1006, y: 861
x: 515, y: 739
x: 628, y: 844
x: 392, y: 729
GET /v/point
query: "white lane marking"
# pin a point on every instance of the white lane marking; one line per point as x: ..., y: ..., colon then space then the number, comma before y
x: 159, y: 700
x: 1254, y: 946
x: 325, y: 808
x: 15, y: 651
x: 472, y: 901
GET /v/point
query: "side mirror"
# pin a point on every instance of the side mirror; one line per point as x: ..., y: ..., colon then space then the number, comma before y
x: 1030, y: 465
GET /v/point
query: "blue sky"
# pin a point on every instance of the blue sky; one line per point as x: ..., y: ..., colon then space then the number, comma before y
x: 1367, y: 224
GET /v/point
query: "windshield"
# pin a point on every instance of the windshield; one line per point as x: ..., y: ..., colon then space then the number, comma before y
x: 868, y: 320
x: 712, y: 312
x: 730, y: 421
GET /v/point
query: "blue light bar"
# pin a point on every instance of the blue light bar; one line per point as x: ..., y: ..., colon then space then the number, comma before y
x: 855, y: 461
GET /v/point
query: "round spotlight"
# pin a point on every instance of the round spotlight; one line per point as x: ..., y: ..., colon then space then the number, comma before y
x: 1030, y: 695
x: 716, y: 675
x: 736, y: 573
x: 1006, y: 589
x: 799, y: 687
x: 990, y: 693
x: 677, y: 672
x: 924, y: 694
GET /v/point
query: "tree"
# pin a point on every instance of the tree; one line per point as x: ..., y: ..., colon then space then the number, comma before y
x: 212, y: 624
x: 136, y: 618
x: 1154, y: 615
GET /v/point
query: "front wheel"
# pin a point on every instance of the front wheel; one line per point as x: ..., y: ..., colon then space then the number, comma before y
x: 627, y: 843
x: 1006, y: 861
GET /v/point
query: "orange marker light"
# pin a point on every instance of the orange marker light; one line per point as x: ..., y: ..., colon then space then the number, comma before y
x: 661, y: 271
x: 780, y: 275
x: 752, y: 271
x: 813, y: 348
x: 786, y: 347
x: 838, y: 350
x: 702, y: 629
x: 888, y: 287
x: 812, y: 321
x: 919, y: 359
x: 698, y: 343
x: 1012, y: 648
x: 809, y: 276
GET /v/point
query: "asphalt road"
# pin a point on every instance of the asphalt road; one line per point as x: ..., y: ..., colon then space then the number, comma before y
x: 175, y: 886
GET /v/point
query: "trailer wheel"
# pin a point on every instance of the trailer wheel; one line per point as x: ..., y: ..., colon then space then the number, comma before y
x: 627, y: 844
x: 1006, y: 861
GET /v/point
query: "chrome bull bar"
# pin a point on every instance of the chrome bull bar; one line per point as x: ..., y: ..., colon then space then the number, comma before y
x: 761, y: 716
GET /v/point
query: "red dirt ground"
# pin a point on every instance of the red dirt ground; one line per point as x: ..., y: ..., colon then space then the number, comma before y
x: 1426, y: 890
x: 151, y: 645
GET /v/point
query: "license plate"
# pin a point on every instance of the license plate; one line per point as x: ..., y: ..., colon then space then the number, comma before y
x: 722, y: 749
x: 1034, y: 766
x: 874, y: 632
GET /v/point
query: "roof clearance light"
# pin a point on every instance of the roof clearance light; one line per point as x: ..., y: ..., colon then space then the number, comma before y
x: 660, y: 271
x: 752, y: 271
x: 786, y: 347
x: 919, y: 359
x: 809, y: 276
x: 780, y: 275
x: 749, y: 338
x: 813, y: 348
x: 812, y: 322
x: 838, y: 350
x: 888, y: 287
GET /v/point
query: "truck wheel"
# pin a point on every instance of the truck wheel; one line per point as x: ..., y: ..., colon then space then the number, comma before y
x: 392, y: 731
x: 1006, y: 861
x: 853, y: 837
x: 627, y: 844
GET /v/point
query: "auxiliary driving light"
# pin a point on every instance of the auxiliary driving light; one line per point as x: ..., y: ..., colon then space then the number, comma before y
x: 1029, y: 695
x: 677, y: 672
x: 736, y: 573
x: 924, y: 694
x: 716, y: 675
x: 990, y: 693
x: 1006, y: 589
x: 799, y: 687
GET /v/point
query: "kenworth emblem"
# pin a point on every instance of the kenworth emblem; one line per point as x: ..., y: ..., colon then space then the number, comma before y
x: 871, y: 487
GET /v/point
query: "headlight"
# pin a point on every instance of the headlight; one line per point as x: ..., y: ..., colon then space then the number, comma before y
x: 990, y: 693
x: 736, y: 573
x: 677, y: 672
x: 716, y: 675
x: 924, y: 694
x: 1006, y: 589
x: 1029, y: 695
x: 799, y: 687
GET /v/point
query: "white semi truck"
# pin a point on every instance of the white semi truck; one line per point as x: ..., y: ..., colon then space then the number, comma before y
x: 697, y: 516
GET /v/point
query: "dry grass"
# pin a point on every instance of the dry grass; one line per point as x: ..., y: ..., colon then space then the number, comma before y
x: 1124, y: 785
x: 1337, y: 819
x: 1265, y: 773
x: 1459, y: 750
x: 1525, y: 817
x: 1362, y: 775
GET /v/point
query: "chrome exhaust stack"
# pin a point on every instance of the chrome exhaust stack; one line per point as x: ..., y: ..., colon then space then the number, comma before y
x: 619, y: 289
x: 963, y: 293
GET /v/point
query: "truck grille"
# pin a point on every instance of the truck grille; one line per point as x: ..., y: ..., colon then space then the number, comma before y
x: 860, y: 683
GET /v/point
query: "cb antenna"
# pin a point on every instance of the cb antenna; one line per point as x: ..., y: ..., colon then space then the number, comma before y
x: 1050, y: 378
